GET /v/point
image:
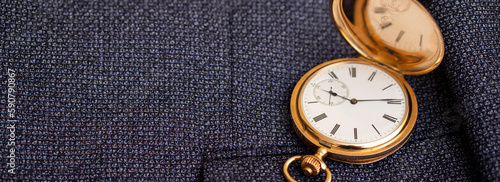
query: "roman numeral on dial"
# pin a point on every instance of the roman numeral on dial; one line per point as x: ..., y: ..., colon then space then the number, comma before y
x: 380, y: 10
x: 320, y: 117
x: 387, y: 87
x: 385, y: 25
x: 332, y: 74
x: 401, y: 33
x: 355, y: 133
x: 420, y: 44
x: 390, y: 118
x: 335, y: 129
x: 352, y: 72
x: 372, y: 76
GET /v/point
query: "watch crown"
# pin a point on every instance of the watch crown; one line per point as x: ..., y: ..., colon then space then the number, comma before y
x: 310, y: 165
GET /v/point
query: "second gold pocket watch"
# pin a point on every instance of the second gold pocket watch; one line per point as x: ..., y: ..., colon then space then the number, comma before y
x: 360, y: 110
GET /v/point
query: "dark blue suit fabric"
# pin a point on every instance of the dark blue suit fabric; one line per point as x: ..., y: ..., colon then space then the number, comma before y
x: 200, y: 91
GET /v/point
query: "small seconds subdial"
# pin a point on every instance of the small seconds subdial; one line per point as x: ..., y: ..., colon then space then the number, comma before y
x: 331, y: 92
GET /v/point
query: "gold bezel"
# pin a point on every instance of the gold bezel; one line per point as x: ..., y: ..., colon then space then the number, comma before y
x: 361, y: 37
x: 353, y: 152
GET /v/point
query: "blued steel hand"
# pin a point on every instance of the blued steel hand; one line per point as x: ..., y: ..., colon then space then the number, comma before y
x: 335, y: 94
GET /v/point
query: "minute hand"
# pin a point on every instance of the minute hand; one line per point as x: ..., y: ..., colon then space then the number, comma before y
x: 389, y: 101
x: 379, y: 100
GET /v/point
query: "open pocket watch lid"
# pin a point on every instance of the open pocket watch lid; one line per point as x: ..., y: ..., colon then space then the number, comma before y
x: 400, y: 34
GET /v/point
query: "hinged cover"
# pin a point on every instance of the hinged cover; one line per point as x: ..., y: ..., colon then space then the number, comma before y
x: 400, y: 34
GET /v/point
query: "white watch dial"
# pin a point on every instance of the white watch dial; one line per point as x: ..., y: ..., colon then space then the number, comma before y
x: 353, y: 102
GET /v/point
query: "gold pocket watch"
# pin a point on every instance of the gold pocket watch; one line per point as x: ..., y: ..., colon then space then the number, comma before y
x: 360, y: 110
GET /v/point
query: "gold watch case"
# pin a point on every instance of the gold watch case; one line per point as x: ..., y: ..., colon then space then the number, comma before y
x: 355, y: 153
x: 351, y: 17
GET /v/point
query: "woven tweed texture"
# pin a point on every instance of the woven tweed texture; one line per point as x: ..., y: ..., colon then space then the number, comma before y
x: 200, y: 91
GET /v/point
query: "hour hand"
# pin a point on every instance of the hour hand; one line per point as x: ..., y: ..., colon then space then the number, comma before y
x: 336, y: 95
